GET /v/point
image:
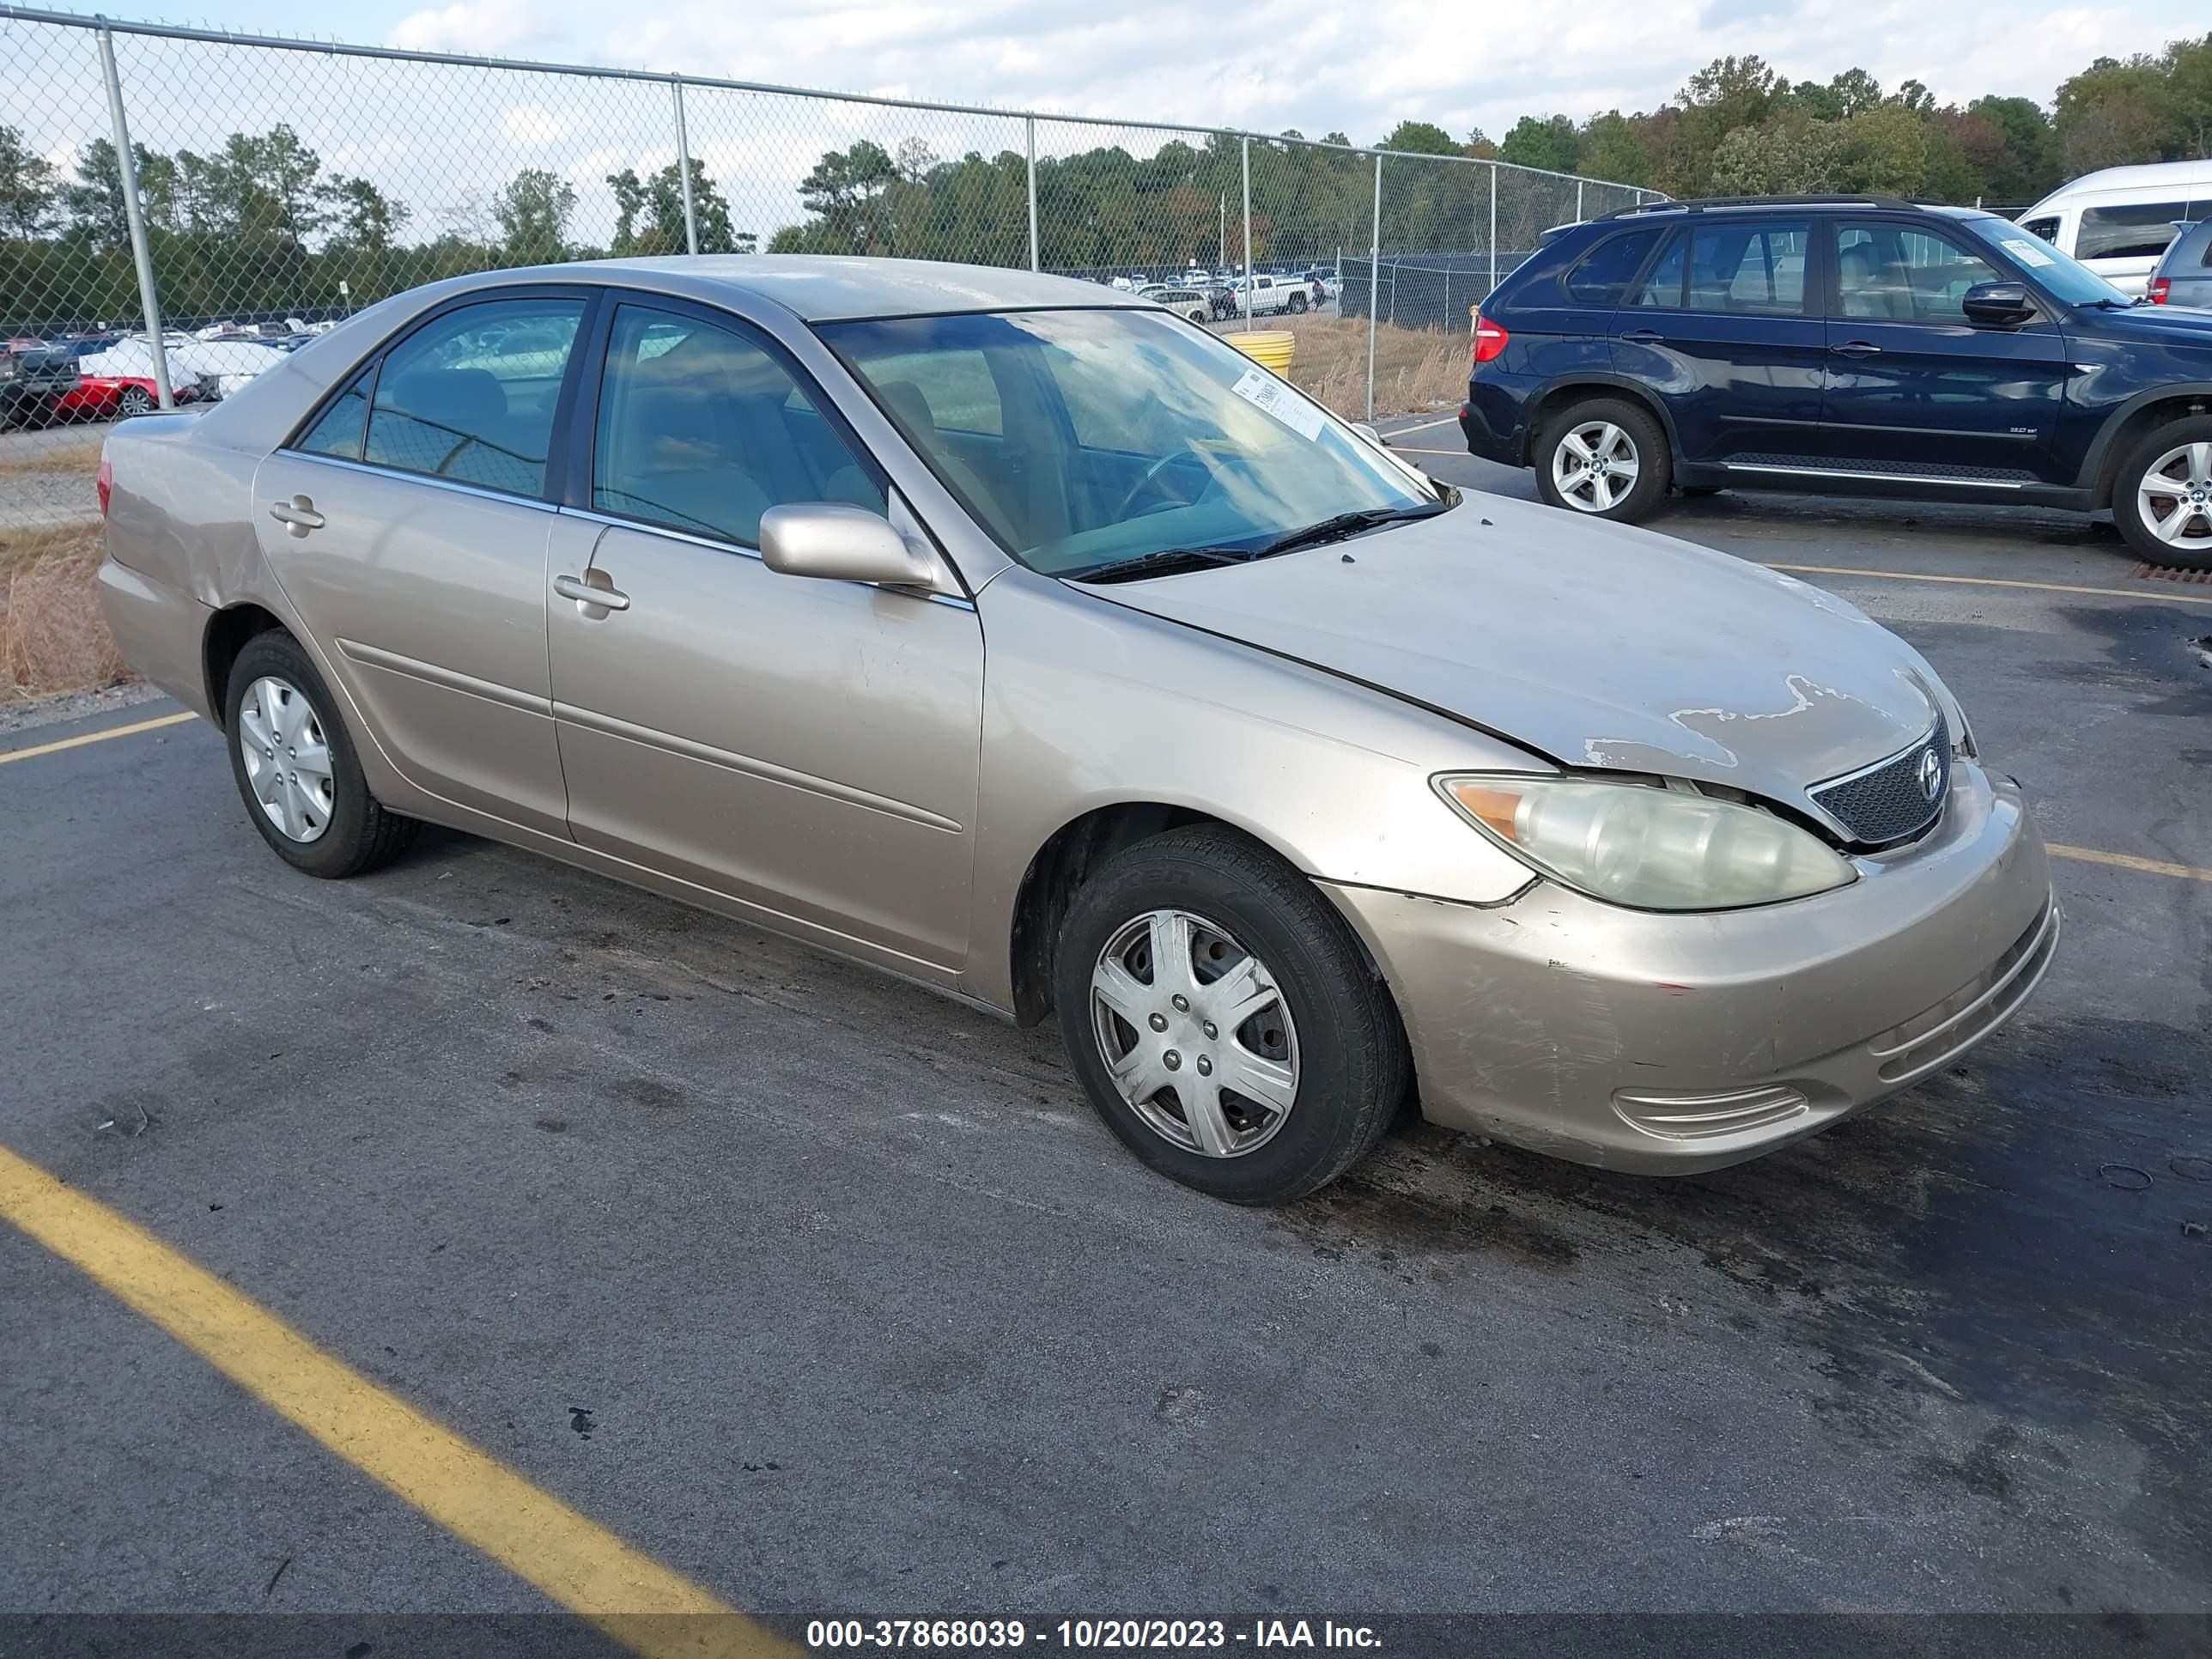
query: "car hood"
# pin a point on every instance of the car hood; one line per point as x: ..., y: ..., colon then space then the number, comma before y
x: 1593, y: 644
x: 2183, y: 325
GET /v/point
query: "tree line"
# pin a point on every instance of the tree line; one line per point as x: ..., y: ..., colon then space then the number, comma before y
x: 260, y: 225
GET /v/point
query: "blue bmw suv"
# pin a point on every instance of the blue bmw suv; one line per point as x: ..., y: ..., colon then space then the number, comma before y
x: 1843, y: 344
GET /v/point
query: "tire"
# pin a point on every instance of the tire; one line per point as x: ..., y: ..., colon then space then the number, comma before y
x: 1297, y: 302
x: 1638, y: 439
x: 1324, y: 1019
x: 2179, y: 453
x: 1199, y: 315
x: 135, y: 400
x: 341, y: 829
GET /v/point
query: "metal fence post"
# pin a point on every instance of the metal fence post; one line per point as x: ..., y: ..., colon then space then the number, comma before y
x: 1578, y: 201
x: 1251, y: 300
x: 141, y: 255
x: 684, y: 169
x: 1374, y: 283
x: 1031, y: 122
x: 1493, y: 227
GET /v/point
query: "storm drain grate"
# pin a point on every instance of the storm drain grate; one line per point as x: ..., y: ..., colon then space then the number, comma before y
x: 2154, y: 573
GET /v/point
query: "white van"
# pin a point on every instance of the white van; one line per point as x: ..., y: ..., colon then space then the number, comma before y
x: 2118, y: 222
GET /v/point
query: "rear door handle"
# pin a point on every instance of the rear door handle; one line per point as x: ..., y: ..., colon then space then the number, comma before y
x: 297, y: 515
x: 1644, y: 336
x: 576, y: 588
x: 1857, y: 348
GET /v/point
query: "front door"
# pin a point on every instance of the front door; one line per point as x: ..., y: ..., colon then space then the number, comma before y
x: 413, y: 543
x: 807, y: 747
x: 1913, y: 387
x: 1721, y: 331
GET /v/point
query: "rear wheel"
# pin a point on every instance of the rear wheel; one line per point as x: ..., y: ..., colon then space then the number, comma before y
x: 135, y: 400
x: 1297, y: 302
x: 2162, y: 498
x: 1222, y: 1019
x: 1603, y: 458
x: 296, y: 769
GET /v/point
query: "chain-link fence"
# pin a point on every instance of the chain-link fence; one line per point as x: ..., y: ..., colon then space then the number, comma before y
x: 179, y: 206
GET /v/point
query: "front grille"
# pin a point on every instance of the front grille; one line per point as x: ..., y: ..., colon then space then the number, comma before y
x: 1891, y: 799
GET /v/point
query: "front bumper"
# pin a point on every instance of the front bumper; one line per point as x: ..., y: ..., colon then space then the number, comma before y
x: 1671, y: 1044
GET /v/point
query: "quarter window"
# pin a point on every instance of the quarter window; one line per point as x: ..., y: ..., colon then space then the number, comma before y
x: 470, y: 395
x: 2141, y: 231
x: 1887, y: 272
x: 1757, y: 269
x: 1607, y: 269
x: 701, y: 429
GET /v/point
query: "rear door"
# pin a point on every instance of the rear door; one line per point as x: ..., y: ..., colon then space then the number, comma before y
x: 413, y: 543
x: 1722, y: 330
x: 1915, y: 389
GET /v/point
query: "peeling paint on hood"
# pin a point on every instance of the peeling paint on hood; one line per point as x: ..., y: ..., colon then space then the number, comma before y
x: 1596, y: 644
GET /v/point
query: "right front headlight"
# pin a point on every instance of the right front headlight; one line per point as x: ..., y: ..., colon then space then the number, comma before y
x: 1646, y: 846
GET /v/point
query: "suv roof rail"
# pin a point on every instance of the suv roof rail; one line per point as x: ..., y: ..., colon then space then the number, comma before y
x: 1698, y: 203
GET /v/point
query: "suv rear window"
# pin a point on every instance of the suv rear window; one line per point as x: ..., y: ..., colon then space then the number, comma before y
x: 2139, y: 231
x: 1607, y: 269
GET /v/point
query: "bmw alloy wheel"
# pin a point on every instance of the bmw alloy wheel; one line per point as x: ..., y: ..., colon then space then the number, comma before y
x: 2175, y: 496
x: 1595, y: 466
x: 1195, y: 1034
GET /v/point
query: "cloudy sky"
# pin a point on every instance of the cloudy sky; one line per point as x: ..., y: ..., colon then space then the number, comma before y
x: 1316, y: 65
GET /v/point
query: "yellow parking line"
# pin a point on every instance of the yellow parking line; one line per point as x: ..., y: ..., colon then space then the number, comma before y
x: 2130, y: 861
x: 131, y: 731
x: 1995, y: 581
x: 576, y: 1562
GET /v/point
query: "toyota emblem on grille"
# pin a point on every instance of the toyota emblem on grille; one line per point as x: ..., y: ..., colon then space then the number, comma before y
x: 1931, y: 772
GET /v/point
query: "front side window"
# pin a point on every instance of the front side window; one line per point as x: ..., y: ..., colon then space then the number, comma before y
x: 1754, y: 268
x: 1893, y: 273
x: 1607, y: 269
x: 2139, y: 231
x: 470, y: 395
x: 702, y: 430
x: 1117, y: 433
x: 2046, y: 228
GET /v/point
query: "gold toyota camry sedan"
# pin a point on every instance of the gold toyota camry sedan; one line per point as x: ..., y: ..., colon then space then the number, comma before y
x: 1016, y: 636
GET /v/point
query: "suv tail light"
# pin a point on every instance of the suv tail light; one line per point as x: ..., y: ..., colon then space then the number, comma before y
x: 105, y: 484
x: 1490, y: 339
x: 2160, y: 288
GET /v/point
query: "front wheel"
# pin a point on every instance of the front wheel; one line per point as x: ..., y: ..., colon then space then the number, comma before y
x: 1603, y: 458
x: 2162, y: 499
x: 135, y: 400
x: 1297, y: 302
x: 1222, y: 1019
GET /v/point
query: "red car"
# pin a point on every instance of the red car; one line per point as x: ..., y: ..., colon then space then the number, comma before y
x: 112, y: 397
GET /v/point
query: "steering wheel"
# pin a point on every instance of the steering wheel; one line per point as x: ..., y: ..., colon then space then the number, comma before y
x: 1152, y: 476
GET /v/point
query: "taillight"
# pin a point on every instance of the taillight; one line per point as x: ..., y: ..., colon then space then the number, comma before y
x: 105, y: 484
x: 2160, y: 288
x: 1489, y: 340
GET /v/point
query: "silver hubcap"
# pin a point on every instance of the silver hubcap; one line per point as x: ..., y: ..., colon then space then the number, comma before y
x: 2175, y: 497
x: 1195, y: 1034
x: 1593, y: 466
x: 287, y: 762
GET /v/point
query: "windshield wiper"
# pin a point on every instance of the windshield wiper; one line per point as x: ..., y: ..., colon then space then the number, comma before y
x: 1167, y: 562
x: 1344, y: 524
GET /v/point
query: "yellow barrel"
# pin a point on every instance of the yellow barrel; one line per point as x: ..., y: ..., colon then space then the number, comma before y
x: 1268, y: 347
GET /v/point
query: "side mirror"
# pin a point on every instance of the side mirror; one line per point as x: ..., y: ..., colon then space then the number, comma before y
x: 1998, y: 305
x: 842, y: 544
x: 1369, y: 434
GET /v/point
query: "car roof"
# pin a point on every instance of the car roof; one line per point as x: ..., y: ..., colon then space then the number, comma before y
x: 2160, y: 176
x: 833, y: 287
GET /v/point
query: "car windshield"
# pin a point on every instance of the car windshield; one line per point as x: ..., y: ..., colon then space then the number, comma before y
x: 1085, y: 438
x: 2068, y: 281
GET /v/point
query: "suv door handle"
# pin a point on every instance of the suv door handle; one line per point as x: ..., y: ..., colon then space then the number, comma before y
x: 297, y: 515
x: 1857, y: 348
x: 576, y: 588
x: 1644, y: 337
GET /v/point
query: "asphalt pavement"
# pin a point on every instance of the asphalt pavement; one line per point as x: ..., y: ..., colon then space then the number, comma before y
x: 833, y: 1298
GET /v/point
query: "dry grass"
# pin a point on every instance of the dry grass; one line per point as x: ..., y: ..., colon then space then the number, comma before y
x: 81, y: 456
x: 1415, y: 370
x: 52, y: 637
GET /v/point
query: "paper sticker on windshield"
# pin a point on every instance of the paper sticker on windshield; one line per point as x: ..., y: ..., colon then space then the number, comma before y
x: 1265, y: 392
x: 2028, y: 252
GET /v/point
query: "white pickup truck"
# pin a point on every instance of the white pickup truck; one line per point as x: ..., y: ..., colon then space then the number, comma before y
x: 1267, y: 295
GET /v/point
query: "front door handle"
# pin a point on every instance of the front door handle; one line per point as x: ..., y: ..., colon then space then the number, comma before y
x: 576, y: 588
x: 1857, y: 348
x: 297, y: 515
x: 1644, y: 336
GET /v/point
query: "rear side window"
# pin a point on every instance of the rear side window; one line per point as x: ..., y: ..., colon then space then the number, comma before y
x: 471, y: 394
x: 1757, y: 269
x: 339, y: 431
x: 2140, y: 231
x: 1664, y: 287
x: 1607, y: 269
